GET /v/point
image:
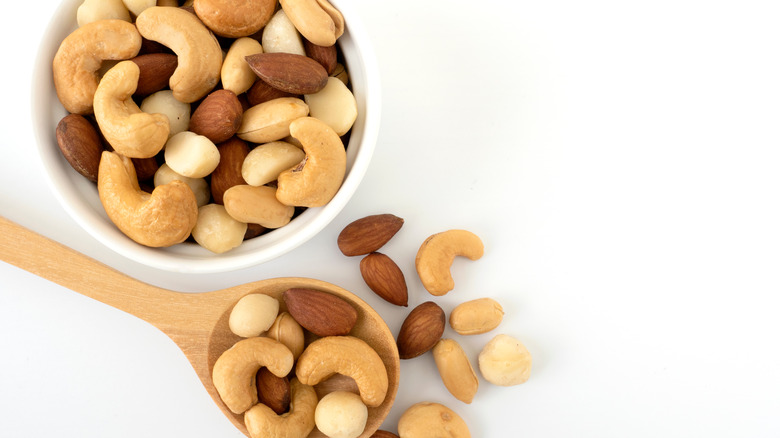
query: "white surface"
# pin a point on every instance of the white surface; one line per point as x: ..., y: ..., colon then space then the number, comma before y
x: 619, y: 160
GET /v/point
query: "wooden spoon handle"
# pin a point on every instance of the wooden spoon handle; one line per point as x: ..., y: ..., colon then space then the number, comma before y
x: 55, y: 262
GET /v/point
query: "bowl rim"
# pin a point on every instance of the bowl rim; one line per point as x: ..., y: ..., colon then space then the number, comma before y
x: 189, y: 257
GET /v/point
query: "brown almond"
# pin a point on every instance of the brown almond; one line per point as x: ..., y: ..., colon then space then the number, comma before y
x: 254, y: 230
x: 262, y: 92
x: 145, y: 168
x: 80, y: 144
x: 383, y: 434
x: 289, y: 72
x: 273, y: 391
x: 368, y: 234
x: 228, y: 172
x: 385, y: 278
x: 319, y: 312
x: 156, y: 70
x: 421, y: 330
x: 326, y: 56
x: 218, y: 117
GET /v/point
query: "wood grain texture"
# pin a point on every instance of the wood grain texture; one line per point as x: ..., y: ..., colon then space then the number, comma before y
x: 196, y: 322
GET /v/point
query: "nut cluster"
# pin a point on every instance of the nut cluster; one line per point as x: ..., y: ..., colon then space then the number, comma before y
x: 503, y: 361
x: 270, y: 374
x: 242, y: 107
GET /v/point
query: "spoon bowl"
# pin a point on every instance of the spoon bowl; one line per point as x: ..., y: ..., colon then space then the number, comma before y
x: 196, y: 322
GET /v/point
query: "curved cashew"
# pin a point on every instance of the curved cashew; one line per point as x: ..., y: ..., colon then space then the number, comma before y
x: 78, y: 59
x: 261, y: 421
x: 316, y: 180
x: 200, y: 56
x: 234, y: 371
x: 130, y: 131
x: 435, y: 257
x: 163, y: 218
x: 349, y: 356
x: 317, y: 20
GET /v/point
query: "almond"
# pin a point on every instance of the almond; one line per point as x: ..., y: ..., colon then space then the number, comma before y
x: 228, y: 172
x: 80, y: 144
x: 383, y: 434
x: 218, y: 117
x: 421, y: 330
x: 368, y: 234
x: 262, y: 92
x: 273, y: 391
x: 319, y: 312
x: 385, y: 278
x: 145, y: 168
x: 326, y: 56
x: 292, y: 73
x: 156, y: 70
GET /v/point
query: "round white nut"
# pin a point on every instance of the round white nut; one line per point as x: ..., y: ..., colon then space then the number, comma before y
x: 236, y: 74
x: 95, y: 10
x: 270, y: 121
x: 280, y: 35
x: 476, y: 316
x: 505, y: 361
x: 138, y: 6
x: 191, y: 155
x: 286, y: 330
x: 257, y: 205
x: 253, y: 314
x: 264, y: 163
x: 455, y: 370
x: 426, y: 419
x: 341, y: 414
x: 163, y: 102
x: 130, y: 131
x: 216, y: 230
x: 199, y: 186
x: 436, y: 254
x: 335, y: 105
x: 317, y: 20
x: 198, y: 51
x: 80, y: 55
x: 316, y: 181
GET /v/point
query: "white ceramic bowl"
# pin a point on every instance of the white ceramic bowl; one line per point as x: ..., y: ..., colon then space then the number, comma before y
x: 79, y: 196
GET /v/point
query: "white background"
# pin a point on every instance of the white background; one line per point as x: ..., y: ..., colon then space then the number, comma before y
x: 619, y: 160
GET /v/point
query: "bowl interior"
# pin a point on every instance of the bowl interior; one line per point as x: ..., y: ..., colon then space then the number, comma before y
x: 79, y: 197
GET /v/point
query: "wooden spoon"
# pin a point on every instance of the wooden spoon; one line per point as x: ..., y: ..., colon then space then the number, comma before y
x: 196, y: 322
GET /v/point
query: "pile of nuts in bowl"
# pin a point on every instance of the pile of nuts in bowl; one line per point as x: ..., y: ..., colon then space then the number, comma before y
x: 213, y: 119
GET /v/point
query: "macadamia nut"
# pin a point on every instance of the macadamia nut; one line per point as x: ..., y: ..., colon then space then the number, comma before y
x: 163, y: 102
x: 95, y: 10
x: 216, y: 230
x: 335, y: 105
x: 341, y: 414
x: 138, y: 6
x: 199, y: 186
x: 505, y: 361
x: 280, y: 35
x: 264, y: 163
x: 191, y: 155
x: 253, y: 314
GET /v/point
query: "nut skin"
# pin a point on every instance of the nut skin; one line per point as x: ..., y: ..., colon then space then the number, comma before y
x: 273, y: 391
x: 80, y: 144
x: 476, y: 316
x: 348, y: 356
x: 385, y: 278
x: 455, y: 370
x: 145, y: 168
x: 421, y: 330
x: 218, y: 117
x: 262, y: 422
x: 319, y: 312
x: 261, y: 92
x: 383, y: 434
x: 289, y: 72
x: 368, y: 234
x: 327, y: 56
x: 228, y: 172
x: 427, y: 419
x: 436, y: 254
x: 156, y: 70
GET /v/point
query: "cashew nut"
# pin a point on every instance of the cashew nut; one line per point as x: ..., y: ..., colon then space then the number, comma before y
x: 436, y: 254
x: 200, y: 56
x: 348, y: 356
x: 163, y: 218
x: 234, y: 371
x: 262, y: 422
x: 316, y: 180
x: 78, y: 59
x: 426, y: 419
x: 130, y: 131
x: 317, y: 20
